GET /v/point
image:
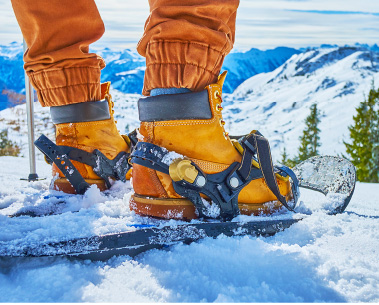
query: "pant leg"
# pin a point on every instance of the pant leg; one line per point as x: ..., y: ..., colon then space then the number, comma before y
x: 185, y: 42
x: 58, y: 62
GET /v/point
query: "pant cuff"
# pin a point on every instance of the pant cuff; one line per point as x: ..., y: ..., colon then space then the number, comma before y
x: 58, y: 87
x: 181, y: 64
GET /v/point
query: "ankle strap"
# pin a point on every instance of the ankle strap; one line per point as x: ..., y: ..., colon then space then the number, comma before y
x: 168, y: 107
x: 80, y: 112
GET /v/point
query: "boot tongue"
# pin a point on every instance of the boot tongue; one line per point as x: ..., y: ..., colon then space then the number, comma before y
x: 221, y: 79
x: 105, y: 89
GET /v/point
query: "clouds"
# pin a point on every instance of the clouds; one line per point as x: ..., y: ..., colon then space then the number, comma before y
x: 260, y: 23
x: 269, y: 23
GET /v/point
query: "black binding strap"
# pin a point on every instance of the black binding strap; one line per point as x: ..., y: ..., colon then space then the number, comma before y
x: 80, y: 112
x: 223, y: 188
x: 61, y: 160
x: 169, y: 107
x: 102, y: 166
x: 262, y: 147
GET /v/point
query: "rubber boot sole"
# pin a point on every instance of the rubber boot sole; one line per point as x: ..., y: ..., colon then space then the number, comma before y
x: 183, y: 209
x: 62, y: 184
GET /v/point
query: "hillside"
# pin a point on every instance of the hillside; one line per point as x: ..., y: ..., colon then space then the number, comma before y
x: 277, y: 103
x: 125, y: 69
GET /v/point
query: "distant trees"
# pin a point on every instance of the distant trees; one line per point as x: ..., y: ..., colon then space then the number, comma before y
x: 364, y: 134
x: 363, y: 147
x: 7, y: 147
x: 309, y: 140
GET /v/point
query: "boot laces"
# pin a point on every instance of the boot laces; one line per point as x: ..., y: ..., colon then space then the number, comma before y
x: 108, y: 97
x: 220, y: 108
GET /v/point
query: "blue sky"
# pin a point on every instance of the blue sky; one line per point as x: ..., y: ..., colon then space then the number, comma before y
x: 261, y: 24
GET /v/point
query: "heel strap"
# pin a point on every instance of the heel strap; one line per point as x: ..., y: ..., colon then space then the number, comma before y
x: 102, y: 166
x: 80, y: 112
x: 169, y: 107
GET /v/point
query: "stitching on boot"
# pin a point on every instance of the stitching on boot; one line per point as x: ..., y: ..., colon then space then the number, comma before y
x: 208, y: 165
x: 157, y: 183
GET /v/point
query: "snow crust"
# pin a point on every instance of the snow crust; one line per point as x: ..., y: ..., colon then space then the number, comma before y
x: 320, y: 259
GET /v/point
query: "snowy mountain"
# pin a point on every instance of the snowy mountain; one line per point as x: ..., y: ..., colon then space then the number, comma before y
x: 241, y: 66
x: 125, y: 69
x: 12, y: 80
x: 277, y: 103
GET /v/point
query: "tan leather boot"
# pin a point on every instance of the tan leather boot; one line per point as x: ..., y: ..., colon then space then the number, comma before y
x: 89, y: 135
x: 206, y: 143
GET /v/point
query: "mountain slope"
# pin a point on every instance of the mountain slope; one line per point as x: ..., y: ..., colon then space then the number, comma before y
x: 126, y: 69
x: 277, y: 103
x: 241, y: 66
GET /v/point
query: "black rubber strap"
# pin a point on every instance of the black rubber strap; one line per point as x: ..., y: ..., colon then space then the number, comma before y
x: 80, y: 112
x: 169, y: 107
x: 223, y: 187
x: 62, y: 161
x: 217, y: 186
x: 295, y: 183
x: 262, y: 148
x: 101, y: 165
x: 151, y: 156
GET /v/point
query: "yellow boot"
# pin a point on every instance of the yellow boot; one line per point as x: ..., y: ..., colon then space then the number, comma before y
x: 76, y: 127
x: 194, y: 129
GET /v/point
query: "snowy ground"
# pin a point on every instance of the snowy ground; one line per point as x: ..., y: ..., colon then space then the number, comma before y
x: 322, y: 258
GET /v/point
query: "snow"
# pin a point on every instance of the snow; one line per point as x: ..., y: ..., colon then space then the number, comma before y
x: 170, y: 157
x: 320, y: 259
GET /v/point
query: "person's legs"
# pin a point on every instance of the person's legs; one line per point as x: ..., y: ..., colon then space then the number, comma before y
x: 58, y: 61
x: 67, y: 77
x: 185, y: 43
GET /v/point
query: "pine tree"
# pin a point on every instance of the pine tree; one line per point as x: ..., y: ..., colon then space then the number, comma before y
x: 310, y: 140
x: 7, y: 147
x: 286, y: 160
x: 364, y: 149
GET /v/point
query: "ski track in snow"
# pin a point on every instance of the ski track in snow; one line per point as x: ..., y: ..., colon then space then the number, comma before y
x: 320, y: 259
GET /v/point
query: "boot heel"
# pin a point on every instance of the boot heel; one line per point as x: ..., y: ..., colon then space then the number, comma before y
x: 167, y: 208
x: 62, y: 184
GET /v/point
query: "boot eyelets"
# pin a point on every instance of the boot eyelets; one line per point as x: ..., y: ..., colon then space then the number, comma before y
x: 216, y: 94
x: 219, y: 107
x: 222, y: 122
x: 226, y: 135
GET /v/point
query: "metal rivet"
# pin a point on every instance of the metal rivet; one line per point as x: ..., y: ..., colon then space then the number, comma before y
x: 234, y: 182
x: 200, y: 181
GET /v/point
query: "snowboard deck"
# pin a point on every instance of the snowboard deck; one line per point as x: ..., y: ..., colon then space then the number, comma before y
x: 144, y: 237
x: 329, y: 175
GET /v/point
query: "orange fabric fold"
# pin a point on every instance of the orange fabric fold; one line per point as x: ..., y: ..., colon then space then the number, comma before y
x: 58, y: 62
x: 185, y: 42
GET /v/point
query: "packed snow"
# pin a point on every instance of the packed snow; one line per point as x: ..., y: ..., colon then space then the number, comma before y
x: 320, y: 259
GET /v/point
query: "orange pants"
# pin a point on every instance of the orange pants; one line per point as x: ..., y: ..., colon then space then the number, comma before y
x: 184, y: 42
